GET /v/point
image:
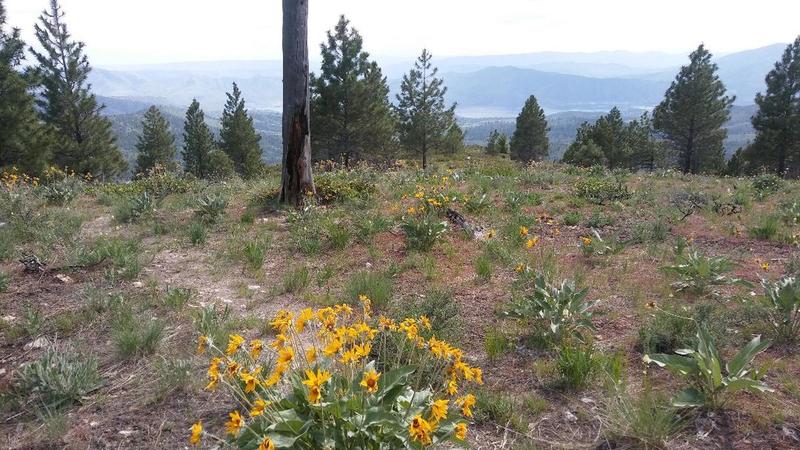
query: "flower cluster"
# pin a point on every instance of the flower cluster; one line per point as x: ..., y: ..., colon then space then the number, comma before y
x: 322, y: 382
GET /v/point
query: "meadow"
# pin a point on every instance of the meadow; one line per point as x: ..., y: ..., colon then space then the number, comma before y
x: 568, y: 291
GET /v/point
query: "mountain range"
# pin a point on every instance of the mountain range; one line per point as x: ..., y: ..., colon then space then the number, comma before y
x: 571, y: 87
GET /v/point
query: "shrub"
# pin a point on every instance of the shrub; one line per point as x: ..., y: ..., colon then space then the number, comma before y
x: 344, y: 185
x: 197, y: 233
x: 5, y: 281
x: 601, y: 190
x: 647, y: 419
x: 791, y: 213
x: 211, y: 207
x: 477, y: 203
x: 423, y: 231
x: 710, y: 378
x: 335, y: 397
x: 60, y: 193
x: 177, y: 298
x: 495, y: 343
x: 575, y: 365
x: 172, y: 375
x: 213, y: 322
x: 483, y: 267
x: 121, y: 253
x: 222, y: 167
x: 562, y: 307
x: 254, y: 254
x: 781, y: 301
x: 59, y: 378
x: 440, y: 308
x: 295, y: 280
x: 136, y: 337
x: 572, y: 218
x: 375, y: 285
x: 766, y: 185
x: 136, y: 208
x: 767, y: 229
x: 599, y: 220
x: 595, y: 245
x: 688, y: 202
x: 697, y: 272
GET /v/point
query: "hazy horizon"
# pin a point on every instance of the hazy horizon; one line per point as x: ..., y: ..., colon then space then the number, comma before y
x: 183, y: 31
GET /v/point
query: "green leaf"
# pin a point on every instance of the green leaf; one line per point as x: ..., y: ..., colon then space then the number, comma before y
x: 746, y: 355
x: 689, y: 398
x: 675, y: 363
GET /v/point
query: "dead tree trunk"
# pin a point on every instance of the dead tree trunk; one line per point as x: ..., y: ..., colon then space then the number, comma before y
x: 296, y: 179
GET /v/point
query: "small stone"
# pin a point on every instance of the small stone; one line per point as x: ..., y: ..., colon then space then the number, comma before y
x: 126, y: 432
x: 138, y: 284
x: 570, y: 417
x: 587, y: 400
x: 94, y: 423
x: 253, y: 287
x: 9, y: 318
x: 368, y: 265
x: 41, y: 342
x: 64, y: 279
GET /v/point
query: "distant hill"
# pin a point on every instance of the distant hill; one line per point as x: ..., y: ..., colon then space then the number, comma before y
x: 483, y: 86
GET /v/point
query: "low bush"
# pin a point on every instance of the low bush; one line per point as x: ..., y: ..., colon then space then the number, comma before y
x: 697, y: 272
x: 781, y: 302
x: 766, y: 229
x: 295, y: 280
x: 136, y: 336
x: 59, y: 378
x: 576, y: 364
x: 211, y: 207
x: 375, y: 285
x: 766, y: 185
x: 423, y: 231
x: 601, y: 190
x: 344, y: 185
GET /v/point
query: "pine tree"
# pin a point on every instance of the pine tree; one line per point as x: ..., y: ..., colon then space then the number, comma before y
x: 85, y: 142
x: 24, y: 141
x: 692, y: 114
x: 238, y: 137
x: 584, y: 151
x: 491, y: 143
x: 777, y: 122
x: 610, y: 135
x: 198, y: 142
x: 156, y: 144
x: 423, y: 118
x: 502, y: 144
x: 453, y: 141
x: 529, y: 141
x: 350, y: 100
x: 646, y: 151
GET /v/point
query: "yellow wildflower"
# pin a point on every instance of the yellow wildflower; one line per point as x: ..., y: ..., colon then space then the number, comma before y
x: 460, y: 431
x: 304, y: 316
x: 466, y: 403
x: 234, y: 342
x: 266, y: 444
x: 523, y: 230
x: 532, y: 242
x: 420, y: 430
x: 439, y: 410
x: 258, y: 407
x: 314, y: 381
x: 197, y: 432
x: 256, y: 346
x: 235, y: 423
x: 587, y: 241
x: 370, y: 381
x: 285, y: 356
x: 311, y: 355
x: 202, y: 343
x: 333, y: 347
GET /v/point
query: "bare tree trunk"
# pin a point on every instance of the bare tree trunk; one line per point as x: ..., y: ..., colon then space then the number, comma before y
x: 296, y: 180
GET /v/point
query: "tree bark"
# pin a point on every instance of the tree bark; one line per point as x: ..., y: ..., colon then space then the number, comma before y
x: 296, y: 180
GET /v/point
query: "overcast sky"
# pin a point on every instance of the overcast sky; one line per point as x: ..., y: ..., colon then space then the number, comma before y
x: 154, y: 31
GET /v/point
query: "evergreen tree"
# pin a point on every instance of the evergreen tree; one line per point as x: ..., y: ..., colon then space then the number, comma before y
x: 24, y: 141
x: 502, y: 144
x: 777, y: 122
x: 156, y: 144
x: 238, y: 137
x: 198, y: 142
x: 610, y: 134
x: 85, y: 142
x: 424, y: 121
x: 453, y: 142
x: 529, y: 141
x: 646, y: 152
x: 584, y: 151
x: 692, y: 114
x: 350, y: 100
x: 491, y: 143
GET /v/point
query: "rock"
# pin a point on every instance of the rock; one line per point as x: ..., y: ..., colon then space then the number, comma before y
x: 40, y: 342
x: 138, y: 284
x: 94, y: 423
x: 126, y: 432
x: 64, y: 279
x: 569, y: 417
x: 253, y: 287
x: 9, y: 318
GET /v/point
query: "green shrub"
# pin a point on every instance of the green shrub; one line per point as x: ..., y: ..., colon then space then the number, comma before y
x: 781, y: 302
x: 572, y: 218
x: 647, y: 419
x: 177, y: 298
x: 338, y: 234
x: 136, y: 208
x: 422, y: 232
x: 601, y: 190
x: 222, y: 167
x: 368, y: 225
x: 172, y: 375
x: 477, y: 203
x: 438, y: 306
x: 254, y: 254
x: 483, y: 267
x: 767, y: 229
x: 5, y: 281
x: 697, y: 272
x: 197, y: 233
x: 136, y: 337
x: 214, y: 323
x: 673, y: 328
x: 495, y: 343
x: 344, y: 185
x: 766, y: 185
x: 563, y: 308
x: 211, y: 207
x: 576, y: 364
x: 712, y: 380
x: 60, y: 193
x: 599, y: 220
x: 121, y: 253
x: 59, y: 378
x: 375, y: 285
x: 295, y: 280
x: 791, y: 213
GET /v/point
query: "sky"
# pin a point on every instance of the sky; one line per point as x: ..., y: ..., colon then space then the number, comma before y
x: 160, y: 31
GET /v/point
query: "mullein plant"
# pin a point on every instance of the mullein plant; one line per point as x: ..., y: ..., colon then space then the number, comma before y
x: 315, y: 385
